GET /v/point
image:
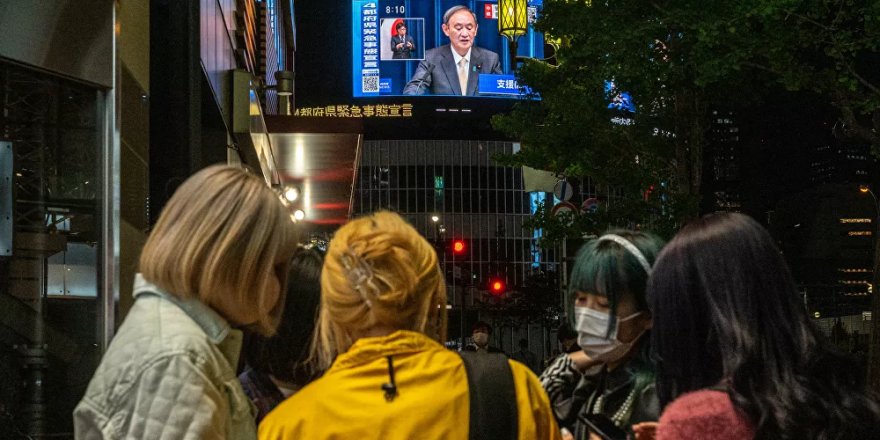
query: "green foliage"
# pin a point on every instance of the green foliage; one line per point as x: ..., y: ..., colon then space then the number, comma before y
x: 681, y: 60
x: 655, y: 215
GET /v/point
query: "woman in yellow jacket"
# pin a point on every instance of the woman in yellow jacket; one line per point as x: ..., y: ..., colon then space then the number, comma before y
x: 383, y: 311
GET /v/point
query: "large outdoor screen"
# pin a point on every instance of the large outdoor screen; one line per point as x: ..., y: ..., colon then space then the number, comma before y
x: 403, y: 47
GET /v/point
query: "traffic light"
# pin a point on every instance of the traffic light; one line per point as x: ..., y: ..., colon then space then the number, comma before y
x: 458, y: 247
x: 647, y: 192
x: 497, y: 286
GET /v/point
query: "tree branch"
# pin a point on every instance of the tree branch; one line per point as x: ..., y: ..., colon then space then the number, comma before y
x: 806, y: 19
x: 865, y: 133
x: 862, y: 80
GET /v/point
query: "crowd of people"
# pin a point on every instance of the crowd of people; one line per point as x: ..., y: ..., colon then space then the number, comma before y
x: 700, y: 338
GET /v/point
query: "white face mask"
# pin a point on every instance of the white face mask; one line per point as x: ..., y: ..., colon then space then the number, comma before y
x: 592, y: 327
x: 481, y: 338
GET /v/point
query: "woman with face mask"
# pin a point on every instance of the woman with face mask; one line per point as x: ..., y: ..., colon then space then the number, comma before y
x: 610, y: 381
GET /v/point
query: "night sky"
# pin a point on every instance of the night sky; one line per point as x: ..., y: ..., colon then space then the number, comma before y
x: 323, y: 52
x: 778, y: 139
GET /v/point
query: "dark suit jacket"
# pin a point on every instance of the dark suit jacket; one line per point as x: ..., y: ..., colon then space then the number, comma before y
x: 443, y: 79
x: 405, y: 51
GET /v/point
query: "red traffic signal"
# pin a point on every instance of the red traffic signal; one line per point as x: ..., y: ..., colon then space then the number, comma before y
x: 497, y: 287
x: 458, y: 246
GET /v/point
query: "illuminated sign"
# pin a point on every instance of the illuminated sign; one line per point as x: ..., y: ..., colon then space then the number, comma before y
x: 859, y: 233
x: 622, y: 121
x: 500, y: 85
x: 855, y: 220
x: 357, y: 111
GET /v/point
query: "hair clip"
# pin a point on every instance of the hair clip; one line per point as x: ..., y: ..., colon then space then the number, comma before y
x: 360, y: 273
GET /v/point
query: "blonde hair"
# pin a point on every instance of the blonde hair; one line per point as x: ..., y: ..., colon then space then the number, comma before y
x: 220, y: 239
x: 378, y: 272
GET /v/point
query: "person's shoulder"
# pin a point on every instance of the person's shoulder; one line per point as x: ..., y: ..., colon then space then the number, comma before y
x: 154, y: 328
x: 703, y: 414
x: 518, y: 367
x: 438, y: 51
x: 484, y: 53
x: 524, y: 377
x: 284, y: 421
x: 286, y: 418
x: 699, y: 403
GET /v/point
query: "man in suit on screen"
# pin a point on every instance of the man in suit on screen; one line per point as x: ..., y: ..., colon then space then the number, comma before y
x: 454, y: 68
x: 402, y: 44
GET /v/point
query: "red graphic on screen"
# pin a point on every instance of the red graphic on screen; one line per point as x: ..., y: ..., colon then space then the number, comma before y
x: 394, y: 27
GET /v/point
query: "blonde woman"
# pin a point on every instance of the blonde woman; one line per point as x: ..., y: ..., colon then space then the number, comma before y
x: 382, y: 317
x: 216, y: 260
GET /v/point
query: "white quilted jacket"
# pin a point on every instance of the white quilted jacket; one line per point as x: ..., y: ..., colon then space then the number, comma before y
x: 168, y: 374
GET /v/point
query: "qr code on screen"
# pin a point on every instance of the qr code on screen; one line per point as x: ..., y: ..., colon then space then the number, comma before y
x: 370, y: 84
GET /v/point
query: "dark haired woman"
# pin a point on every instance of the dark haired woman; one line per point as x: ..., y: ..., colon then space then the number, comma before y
x: 611, y: 375
x: 737, y: 357
x: 277, y: 366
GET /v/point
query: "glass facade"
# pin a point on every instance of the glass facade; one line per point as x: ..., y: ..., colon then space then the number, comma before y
x: 455, y: 190
x: 52, y: 136
x: 458, y: 182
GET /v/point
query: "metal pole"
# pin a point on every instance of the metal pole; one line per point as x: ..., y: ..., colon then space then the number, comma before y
x: 110, y: 203
x: 461, y: 301
x: 874, y: 348
x: 564, y: 285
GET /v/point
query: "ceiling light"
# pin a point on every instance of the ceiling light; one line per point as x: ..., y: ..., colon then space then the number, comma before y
x: 291, y: 194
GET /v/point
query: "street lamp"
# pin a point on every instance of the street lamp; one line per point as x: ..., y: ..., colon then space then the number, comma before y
x: 865, y: 189
x: 874, y: 356
x: 283, y: 89
x: 513, y: 21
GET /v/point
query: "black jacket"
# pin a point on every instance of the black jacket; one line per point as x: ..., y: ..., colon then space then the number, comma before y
x: 574, y: 395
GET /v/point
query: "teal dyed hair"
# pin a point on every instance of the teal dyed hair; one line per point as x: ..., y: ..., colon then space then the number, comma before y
x: 604, y: 267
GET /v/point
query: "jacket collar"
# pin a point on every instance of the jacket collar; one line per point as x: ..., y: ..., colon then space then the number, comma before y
x: 456, y: 58
x: 368, y: 349
x: 219, y: 332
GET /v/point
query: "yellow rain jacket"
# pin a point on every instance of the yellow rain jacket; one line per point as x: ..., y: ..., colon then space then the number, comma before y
x: 432, y: 402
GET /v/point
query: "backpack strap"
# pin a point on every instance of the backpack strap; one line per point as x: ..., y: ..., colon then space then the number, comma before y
x: 493, y: 410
